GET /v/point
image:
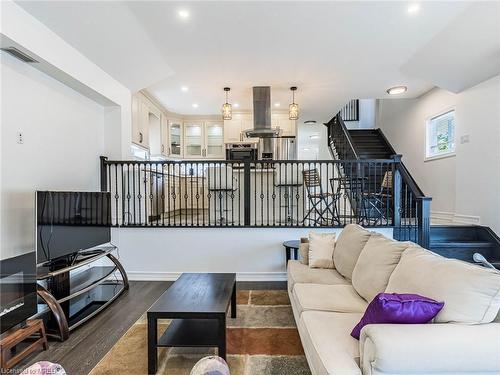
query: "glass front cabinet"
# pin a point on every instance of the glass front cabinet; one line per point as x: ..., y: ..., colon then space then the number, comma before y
x: 214, y: 140
x: 204, y: 140
x: 175, y: 139
x: 193, y: 140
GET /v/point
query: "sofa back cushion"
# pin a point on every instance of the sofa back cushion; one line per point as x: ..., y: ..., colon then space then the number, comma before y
x: 349, y: 244
x: 471, y: 293
x: 375, y: 264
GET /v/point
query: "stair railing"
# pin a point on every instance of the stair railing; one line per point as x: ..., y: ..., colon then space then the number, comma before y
x: 340, y: 139
x: 409, y: 206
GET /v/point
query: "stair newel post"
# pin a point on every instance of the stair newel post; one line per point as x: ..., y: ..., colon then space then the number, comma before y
x: 104, y: 173
x: 396, y: 190
x: 424, y: 221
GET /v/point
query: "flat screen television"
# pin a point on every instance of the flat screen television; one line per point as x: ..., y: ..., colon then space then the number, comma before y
x: 69, y: 222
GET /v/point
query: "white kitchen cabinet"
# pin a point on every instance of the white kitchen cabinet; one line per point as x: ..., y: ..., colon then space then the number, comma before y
x: 194, y: 140
x: 204, y: 140
x: 175, y: 149
x: 214, y: 140
x: 140, y: 122
x: 232, y: 130
x: 164, y: 135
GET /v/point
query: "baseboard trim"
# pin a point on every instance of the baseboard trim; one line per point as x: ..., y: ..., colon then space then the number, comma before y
x: 172, y: 276
x: 443, y: 217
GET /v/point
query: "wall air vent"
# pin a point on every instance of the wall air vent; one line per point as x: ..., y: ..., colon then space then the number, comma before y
x: 19, y: 55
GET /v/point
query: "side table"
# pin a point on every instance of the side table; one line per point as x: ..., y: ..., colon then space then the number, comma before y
x: 292, y: 246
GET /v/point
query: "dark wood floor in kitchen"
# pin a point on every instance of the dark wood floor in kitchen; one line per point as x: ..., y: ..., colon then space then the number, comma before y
x: 89, y: 343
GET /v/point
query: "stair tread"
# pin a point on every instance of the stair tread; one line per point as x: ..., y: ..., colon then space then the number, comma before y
x: 445, y: 243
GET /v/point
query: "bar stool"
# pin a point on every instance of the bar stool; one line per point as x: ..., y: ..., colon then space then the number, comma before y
x: 222, y: 183
x: 289, y: 178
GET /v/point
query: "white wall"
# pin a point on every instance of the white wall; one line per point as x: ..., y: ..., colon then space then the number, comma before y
x: 367, y: 115
x: 63, y: 135
x: 64, y: 131
x: 465, y: 187
x: 164, y: 253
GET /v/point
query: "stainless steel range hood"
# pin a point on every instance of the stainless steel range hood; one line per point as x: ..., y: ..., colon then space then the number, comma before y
x: 262, y: 114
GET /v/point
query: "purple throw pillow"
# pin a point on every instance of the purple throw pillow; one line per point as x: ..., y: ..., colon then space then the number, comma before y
x: 398, y: 309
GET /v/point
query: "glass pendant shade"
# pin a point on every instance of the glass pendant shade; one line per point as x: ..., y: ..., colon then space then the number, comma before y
x: 293, y: 111
x: 227, y: 111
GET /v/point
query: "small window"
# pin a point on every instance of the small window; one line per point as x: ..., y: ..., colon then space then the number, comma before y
x: 440, y: 136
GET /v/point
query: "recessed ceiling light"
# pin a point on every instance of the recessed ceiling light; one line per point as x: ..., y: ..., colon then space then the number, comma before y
x: 314, y: 136
x: 195, y: 105
x: 185, y: 88
x: 396, y: 90
x: 277, y: 104
x: 413, y: 8
x: 236, y: 105
x: 306, y: 149
x: 183, y: 13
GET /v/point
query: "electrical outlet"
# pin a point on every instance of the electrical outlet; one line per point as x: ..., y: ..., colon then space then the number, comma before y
x: 464, y: 139
x: 20, y: 138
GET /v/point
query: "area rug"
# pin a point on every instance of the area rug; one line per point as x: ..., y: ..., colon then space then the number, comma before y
x: 263, y: 339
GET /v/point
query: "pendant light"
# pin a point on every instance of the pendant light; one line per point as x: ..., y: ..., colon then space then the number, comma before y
x: 227, y: 112
x: 293, y: 109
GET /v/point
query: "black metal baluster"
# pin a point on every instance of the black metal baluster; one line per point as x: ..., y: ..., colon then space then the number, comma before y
x: 209, y: 193
x: 269, y: 169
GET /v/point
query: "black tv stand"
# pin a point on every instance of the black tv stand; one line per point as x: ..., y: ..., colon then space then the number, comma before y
x: 72, y: 298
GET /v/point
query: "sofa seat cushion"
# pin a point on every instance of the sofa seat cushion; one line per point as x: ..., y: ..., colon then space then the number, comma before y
x: 349, y: 244
x: 301, y: 273
x: 471, y: 294
x: 327, y: 342
x: 335, y: 298
x: 375, y: 264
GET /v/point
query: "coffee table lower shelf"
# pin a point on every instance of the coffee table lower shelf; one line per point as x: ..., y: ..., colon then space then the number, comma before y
x: 191, y: 333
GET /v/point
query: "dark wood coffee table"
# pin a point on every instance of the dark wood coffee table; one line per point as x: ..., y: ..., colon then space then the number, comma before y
x: 197, y: 303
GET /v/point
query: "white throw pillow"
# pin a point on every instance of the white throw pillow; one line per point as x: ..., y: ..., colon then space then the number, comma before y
x: 375, y: 264
x: 321, y: 246
x: 471, y: 293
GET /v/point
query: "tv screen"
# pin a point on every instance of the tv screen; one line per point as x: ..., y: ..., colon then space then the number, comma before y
x: 69, y: 222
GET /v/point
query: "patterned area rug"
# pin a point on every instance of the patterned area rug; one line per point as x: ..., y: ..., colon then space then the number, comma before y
x: 263, y: 339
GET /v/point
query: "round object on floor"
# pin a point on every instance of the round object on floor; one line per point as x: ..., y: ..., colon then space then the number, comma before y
x: 44, y: 368
x: 212, y: 365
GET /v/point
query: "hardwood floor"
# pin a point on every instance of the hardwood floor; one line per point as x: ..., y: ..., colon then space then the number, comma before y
x: 89, y: 343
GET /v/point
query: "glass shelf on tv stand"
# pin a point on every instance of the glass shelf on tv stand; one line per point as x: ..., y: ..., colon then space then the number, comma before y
x: 44, y: 272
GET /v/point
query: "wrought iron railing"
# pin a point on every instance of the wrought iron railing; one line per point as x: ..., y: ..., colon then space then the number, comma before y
x: 217, y: 193
x: 408, y: 206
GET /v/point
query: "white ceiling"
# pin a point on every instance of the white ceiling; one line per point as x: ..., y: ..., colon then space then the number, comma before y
x: 332, y: 51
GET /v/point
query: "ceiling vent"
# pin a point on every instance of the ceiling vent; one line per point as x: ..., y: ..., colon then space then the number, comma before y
x: 19, y: 55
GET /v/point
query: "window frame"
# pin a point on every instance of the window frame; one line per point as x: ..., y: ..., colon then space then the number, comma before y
x: 426, y: 135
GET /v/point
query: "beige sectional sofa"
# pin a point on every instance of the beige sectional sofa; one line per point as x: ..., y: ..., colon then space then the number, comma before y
x: 327, y: 303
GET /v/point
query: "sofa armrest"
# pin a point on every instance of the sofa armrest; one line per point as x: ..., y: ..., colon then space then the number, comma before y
x: 430, y: 348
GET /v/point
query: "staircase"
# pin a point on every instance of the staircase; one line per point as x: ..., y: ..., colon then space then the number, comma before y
x: 382, y: 190
x: 371, y: 144
x: 461, y: 242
